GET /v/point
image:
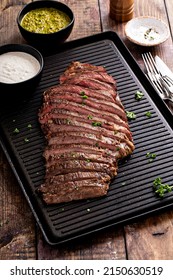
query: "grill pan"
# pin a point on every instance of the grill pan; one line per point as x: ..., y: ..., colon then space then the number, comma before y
x: 131, y: 194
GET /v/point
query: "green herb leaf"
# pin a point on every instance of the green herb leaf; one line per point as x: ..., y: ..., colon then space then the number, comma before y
x: 16, y: 130
x: 84, y: 96
x: 150, y: 156
x: 131, y: 115
x: 26, y: 140
x: 96, y: 124
x: 138, y: 95
x: 148, y: 114
x: 160, y: 189
x: 82, y: 93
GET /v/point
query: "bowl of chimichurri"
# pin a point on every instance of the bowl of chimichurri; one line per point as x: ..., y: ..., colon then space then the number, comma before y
x: 45, y: 24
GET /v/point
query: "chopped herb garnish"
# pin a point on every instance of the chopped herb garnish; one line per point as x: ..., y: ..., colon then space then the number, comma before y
x: 150, y: 156
x: 149, y: 32
x: 138, y: 95
x: 96, y: 124
x: 88, y: 160
x: 161, y: 189
x: 26, y: 140
x: 131, y: 115
x: 82, y: 93
x: 29, y: 126
x: 148, y: 114
x: 146, y: 35
x: 90, y: 117
x: 16, y: 130
x: 84, y: 96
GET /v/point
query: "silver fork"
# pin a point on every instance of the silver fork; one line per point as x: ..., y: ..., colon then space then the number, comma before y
x: 156, y: 78
x: 153, y: 73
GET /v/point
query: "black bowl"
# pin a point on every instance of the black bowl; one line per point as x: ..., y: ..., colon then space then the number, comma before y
x: 14, y: 92
x: 45, y: 42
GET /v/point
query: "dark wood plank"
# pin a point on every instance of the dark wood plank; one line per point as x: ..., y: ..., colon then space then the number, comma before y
x: 151, y: 239
x: 103, y: 245
x: 17, y: 225
x: 87, y: 18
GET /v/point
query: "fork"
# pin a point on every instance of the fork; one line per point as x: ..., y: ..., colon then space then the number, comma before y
x: 158, y: 81
x: 153, y: 73
x: 167, y: 82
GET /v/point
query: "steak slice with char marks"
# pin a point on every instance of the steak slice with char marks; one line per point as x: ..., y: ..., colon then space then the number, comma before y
x: 87, y: 133
x: 108, y: 95
x: 85, y: 111
x: 72, y: 191
x: 100, y: 76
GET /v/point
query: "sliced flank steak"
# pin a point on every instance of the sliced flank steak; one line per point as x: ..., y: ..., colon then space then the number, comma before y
x: 87, y: 133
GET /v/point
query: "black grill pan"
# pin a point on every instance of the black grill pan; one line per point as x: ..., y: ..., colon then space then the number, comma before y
x: 131, y: 194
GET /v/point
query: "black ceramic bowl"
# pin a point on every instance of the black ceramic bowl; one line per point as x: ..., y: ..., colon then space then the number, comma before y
x: 51, y: 40
x: 20, y: 90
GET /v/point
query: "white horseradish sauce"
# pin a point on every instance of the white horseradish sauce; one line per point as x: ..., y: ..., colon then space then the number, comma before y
x: 17, y: 67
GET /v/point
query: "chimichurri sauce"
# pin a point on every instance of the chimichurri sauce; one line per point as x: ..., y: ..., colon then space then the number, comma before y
x: 45, y: 20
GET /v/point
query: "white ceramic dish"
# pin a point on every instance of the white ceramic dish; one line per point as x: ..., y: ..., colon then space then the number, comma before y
x: 147, y: 31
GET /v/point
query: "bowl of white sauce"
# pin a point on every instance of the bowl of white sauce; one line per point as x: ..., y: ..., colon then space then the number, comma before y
x: 21, y: 67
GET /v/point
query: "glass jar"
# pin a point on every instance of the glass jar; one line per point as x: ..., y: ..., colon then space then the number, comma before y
x: 121, y: 10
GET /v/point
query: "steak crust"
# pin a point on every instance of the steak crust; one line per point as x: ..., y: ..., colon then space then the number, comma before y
x: 87, y: 133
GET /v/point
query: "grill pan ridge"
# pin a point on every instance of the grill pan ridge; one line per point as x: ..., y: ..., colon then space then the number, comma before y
x: 131, y: 194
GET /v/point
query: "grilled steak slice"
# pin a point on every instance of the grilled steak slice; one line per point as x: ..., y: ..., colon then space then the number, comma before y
x: 99, y: 76
x: 87, y: 133
x: 77, y: 66
x: 72, y: 191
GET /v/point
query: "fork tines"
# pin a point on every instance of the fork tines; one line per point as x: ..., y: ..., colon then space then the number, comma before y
x: 150, y: 63
x: 153, y: 73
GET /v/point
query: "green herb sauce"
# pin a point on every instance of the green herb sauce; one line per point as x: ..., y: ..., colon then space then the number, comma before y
x: 45, y: 20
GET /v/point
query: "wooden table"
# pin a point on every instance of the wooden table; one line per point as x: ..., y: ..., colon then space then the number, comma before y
x: 20, y: 237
